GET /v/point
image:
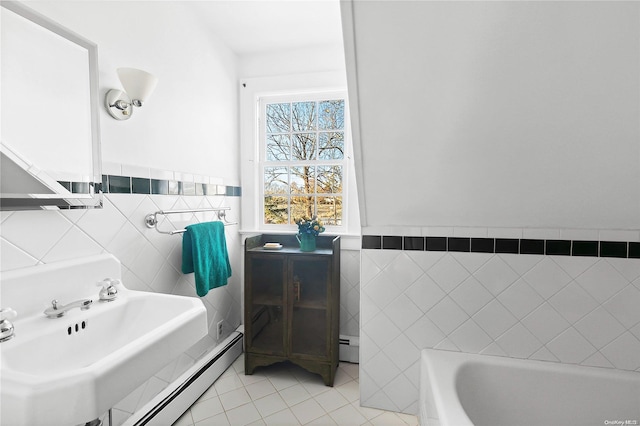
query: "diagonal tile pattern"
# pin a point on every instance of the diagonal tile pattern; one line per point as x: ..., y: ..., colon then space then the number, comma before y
x: 285, y: 394
x: 150, y: 262
x: 551, y: 308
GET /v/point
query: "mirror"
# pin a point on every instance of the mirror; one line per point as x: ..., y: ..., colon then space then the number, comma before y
x: 49, y: 140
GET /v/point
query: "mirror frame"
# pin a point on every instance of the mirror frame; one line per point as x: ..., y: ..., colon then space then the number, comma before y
x: 68, y: 200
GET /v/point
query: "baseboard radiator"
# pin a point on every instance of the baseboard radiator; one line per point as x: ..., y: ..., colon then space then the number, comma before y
x: 171, y: 403
x: 349, y: 349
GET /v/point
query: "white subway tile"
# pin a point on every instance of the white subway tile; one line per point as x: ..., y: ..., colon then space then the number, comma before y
x: 109, y: 168
x: 438, y: 231
x: 504, y: 233
x: 136, y: 171
x: 540, y: 234
x: 579, y: 234
x: 470, y: 232
x: 161, y: 174
x: 619, y: 235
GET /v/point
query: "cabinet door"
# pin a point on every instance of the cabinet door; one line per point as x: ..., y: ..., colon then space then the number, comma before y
x: 309, y: 294
x: 266, y: 301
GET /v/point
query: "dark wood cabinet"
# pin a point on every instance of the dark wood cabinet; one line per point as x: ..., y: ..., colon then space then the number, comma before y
x: 292, y: 304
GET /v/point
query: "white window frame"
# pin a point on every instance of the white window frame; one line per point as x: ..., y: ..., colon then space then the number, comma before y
x: 251, y: 90
x: 262, y: 161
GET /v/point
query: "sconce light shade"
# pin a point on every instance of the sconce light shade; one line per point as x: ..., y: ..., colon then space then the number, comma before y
x: 137, y: 83
x: 138, y: 86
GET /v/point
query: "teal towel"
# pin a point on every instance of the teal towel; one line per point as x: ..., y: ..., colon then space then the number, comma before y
x: 204, y: 252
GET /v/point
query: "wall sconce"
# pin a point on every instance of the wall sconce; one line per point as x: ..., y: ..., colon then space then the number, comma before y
x: 138, y: 86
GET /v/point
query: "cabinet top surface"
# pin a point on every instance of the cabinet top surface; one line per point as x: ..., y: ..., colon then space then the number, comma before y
x: 292, y: 250
x: 325, y: 245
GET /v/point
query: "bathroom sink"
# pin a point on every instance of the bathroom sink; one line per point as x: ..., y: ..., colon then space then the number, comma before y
x: 72, y: 369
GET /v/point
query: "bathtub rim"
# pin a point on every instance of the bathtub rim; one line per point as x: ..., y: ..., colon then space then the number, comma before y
x: 443, y: 366
x: 441, y: 371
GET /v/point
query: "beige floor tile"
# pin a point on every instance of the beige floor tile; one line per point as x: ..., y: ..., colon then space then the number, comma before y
x: 294, y: 394
x: 270, y: 404
x: 331, y: 400
x: 219, y: 420
x: 243, y: 415
x: 235, y: 398
x: 287, y: 395
x: 307, y: 411
x: 282, y: 418
x: 207, y: 408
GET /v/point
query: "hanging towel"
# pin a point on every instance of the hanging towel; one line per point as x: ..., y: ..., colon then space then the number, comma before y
x: 204, y: 252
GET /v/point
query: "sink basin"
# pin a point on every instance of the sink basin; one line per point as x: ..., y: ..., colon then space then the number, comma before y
x: 72, y: 369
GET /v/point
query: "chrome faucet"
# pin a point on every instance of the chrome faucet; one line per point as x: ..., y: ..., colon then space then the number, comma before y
x: 56, y: 310
x: 109, y: 292
x: 6, y: 328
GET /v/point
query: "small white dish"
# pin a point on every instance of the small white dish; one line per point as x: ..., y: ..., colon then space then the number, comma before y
x: 272, y: 246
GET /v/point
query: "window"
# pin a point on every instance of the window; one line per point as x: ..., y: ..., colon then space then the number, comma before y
x: 303, y: 165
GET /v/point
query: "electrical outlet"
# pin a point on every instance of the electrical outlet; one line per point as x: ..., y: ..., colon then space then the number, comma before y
x: 219, y: 329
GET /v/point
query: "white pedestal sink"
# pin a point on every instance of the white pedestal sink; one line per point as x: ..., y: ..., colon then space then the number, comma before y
x: 71, y: 370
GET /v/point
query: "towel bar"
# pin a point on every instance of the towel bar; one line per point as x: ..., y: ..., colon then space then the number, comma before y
x: 151, y: 219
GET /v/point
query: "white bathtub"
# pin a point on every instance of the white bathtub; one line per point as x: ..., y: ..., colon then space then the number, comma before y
x: 458, y: 389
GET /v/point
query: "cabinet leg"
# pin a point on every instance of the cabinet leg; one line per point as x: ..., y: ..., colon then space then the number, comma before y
x: 328, y: 380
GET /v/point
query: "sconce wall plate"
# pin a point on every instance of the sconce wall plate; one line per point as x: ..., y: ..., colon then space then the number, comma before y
x: 138, y: 86
x: 118, y: 104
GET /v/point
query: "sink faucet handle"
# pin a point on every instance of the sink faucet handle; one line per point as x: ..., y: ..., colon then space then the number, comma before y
x: 6, y: 328
x: 108, y: 292
x: 7, y: 313
x: 108, y: 282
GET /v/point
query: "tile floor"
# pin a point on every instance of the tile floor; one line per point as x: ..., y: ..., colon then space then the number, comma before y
x: 284, y: 394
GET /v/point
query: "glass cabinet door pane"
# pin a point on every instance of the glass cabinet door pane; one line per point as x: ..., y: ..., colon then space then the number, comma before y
x: 309, y: 282
x: 267, y: 305
x: 309, y: 332
x: 309, y: 295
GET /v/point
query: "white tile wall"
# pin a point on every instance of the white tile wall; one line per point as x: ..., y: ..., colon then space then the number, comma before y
x: 562, y: 309
x: 350, y: 292
x: 150, y: 261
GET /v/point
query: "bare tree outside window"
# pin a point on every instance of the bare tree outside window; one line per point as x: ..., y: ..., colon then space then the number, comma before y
x: 304, y: 161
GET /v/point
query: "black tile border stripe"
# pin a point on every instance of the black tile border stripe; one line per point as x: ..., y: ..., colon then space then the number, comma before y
x: 610, y: 249
x: 135, y: 185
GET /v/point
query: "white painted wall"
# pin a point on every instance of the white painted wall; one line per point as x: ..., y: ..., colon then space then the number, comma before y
x: 494, y: 119
x: 497, y: 114
x: 311, y: 59
x: 188, y: 127
x: 190, y: 122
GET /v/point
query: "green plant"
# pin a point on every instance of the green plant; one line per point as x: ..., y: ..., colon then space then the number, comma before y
x: 310, y: 226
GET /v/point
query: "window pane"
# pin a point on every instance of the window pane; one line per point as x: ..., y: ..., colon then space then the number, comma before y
x: 276, y: 210
x: 331, y: 146
x: 331, y: 115
x: 276, y: 180
x: 278, y: 118
x: 330, y: 179
x: 330, y: 210
x: 303, y: 116
x: 302, y: 207
x: 278, y: 147
x: 304, y: 146
x: 303, y: 180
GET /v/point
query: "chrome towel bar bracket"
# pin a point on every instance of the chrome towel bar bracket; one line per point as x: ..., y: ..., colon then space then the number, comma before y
x: 151, y: 220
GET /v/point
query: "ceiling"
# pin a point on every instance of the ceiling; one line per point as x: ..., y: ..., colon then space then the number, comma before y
x: 262, y: 26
